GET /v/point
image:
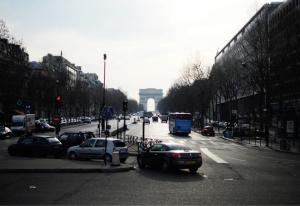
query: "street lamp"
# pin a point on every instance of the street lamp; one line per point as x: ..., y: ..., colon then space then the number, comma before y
x: 103, y: 104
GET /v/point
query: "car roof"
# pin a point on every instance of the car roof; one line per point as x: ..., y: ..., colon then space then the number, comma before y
x: 103, y: 138
x: 43, y: 136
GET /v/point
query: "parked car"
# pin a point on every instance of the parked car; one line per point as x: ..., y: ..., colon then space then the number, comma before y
x: 40, y: 145
x: 69, y: 139
x: 5, y: 132
x: 63, y: 121
x: 146, y: 120
x: 170, y: 156
x: 87, y: 120
x: 208, y: 130
x: 94, y: 148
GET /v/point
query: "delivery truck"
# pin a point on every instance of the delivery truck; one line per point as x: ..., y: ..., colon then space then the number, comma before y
x: 23, y: 123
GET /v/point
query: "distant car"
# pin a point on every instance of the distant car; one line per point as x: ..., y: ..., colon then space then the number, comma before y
x: 44, y: 127
x: 87, y: 120
x: 155, y: 118
x: 41, y: 146
x: 208, y: 130
x: 94, y: 148
x: 170, y: 156
x: 5, y: 132
x: 146, y: 120
x: 69, y: 139
x: 127, y: 117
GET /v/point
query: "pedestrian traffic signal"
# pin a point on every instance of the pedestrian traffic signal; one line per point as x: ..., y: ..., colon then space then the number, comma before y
x: 125, y: 105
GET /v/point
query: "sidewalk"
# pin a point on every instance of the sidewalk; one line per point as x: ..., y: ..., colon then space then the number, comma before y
x: 274, y: 142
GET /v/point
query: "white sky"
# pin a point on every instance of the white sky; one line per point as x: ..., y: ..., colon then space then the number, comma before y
x: 147, y: 42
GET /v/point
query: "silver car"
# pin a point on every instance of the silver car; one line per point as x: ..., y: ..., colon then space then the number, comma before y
x: 94, y: 148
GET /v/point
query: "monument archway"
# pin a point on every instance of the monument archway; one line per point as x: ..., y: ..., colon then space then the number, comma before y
x: 149, y: 93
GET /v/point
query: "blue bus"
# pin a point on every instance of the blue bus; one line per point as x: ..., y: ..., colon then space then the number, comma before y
x: 180, y: 122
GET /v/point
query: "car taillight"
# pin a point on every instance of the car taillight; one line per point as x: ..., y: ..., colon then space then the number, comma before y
x: 175, y: 155
x: 126, y: 150
x: 82, y: 141
x: 46, y: 145
x: 200, y: 155
x: 114, y: 150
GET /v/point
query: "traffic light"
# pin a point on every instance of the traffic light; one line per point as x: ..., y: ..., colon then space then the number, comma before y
x: 125, y: 105
x: 58, y: 101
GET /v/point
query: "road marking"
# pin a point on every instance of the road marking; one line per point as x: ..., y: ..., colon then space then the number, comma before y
x: 171, y: 141
x: 236, y: 159
x: 182, y: 142
x: 193, y: 142
x: 213, y: 156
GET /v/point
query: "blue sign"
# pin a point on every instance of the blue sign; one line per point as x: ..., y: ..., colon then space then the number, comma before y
x: 104, y: 112
x: 110, y: 112
x: 107, y: 113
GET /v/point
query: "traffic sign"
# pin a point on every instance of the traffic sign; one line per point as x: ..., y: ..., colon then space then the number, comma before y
x: 56, y: 119
x: 104, y: 112
x: 110, y: 112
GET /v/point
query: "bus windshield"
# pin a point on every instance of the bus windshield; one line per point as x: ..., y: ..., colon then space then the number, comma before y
x: 184, y: 116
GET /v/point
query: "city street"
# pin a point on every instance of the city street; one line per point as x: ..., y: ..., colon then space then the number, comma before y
x: 231, y: 174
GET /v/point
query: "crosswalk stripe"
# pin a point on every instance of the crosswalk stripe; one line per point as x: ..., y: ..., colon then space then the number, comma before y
x: 212, y: 156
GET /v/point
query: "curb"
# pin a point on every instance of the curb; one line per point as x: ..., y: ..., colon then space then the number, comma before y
x: 77, y: 170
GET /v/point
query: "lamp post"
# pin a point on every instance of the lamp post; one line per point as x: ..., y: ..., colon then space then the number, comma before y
x: 103, y: 104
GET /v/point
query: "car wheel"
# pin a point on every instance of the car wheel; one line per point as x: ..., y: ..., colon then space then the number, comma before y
x: 72, y: 156
x: 193, y: 169
x: 166, y: 167
x: 122, y: 160
x: 141, y: 162
x: 11, y: 153
x: 108, y: 158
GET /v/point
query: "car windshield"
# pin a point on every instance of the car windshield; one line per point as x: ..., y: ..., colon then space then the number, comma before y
x: 179, y: 147
x: 53, y: 140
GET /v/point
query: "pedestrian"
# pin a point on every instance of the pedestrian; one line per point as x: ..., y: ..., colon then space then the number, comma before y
x: 57, y: 129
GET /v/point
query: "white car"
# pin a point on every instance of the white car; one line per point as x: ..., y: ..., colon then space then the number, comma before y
x: 94, y: 148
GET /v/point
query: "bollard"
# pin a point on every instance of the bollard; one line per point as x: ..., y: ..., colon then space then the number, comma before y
x: 115, y: 159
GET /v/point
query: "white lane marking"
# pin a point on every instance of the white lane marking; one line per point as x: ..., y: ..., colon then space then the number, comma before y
x: 171, y: 141
x: 236, y: 159
x: 182, y: 142
x: 193, y: 142
x: 213, y: 156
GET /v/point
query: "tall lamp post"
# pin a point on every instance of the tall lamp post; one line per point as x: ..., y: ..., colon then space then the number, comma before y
x: 103, y: 104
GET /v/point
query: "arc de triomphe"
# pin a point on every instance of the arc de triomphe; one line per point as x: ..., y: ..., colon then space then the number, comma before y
x: 149, y: 93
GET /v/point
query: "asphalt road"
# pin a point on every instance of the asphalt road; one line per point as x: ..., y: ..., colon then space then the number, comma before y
x: 231, y: 174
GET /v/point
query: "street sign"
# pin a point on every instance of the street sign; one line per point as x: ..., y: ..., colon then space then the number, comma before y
x: 56, y: 119
x: 110, y: 112
x: 104, y: 112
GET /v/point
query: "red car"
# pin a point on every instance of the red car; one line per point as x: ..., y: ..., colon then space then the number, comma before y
x: 208, y: 130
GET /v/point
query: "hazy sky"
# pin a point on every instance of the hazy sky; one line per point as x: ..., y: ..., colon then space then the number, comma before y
x: 147, y: 42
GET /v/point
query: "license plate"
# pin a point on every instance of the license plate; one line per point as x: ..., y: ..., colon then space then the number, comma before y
x: 191, y: 162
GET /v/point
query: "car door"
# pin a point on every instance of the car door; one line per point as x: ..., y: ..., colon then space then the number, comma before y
x: 25, y: 147
x: 98, y: 150
x: 155, y: 154
x: 85, y: 149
